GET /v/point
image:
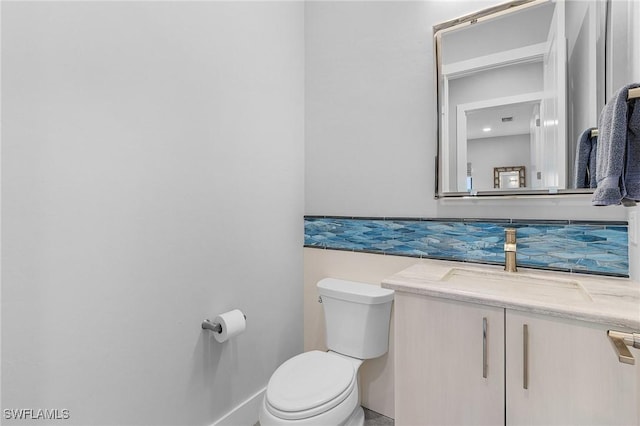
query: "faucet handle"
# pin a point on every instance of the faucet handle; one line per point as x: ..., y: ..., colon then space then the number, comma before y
x: 510, y: 250
x: 509, y: 239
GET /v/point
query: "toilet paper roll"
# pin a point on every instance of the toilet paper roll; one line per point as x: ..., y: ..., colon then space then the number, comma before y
x: 232, y: 322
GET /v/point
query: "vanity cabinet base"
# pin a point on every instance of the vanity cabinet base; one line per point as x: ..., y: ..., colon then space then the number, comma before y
x: 443, y: 351
x: 459, y: 363
x: 574, y: 376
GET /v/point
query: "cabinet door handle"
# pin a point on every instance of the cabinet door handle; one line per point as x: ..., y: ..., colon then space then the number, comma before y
x: 525, y: 356
x: 484, y: 347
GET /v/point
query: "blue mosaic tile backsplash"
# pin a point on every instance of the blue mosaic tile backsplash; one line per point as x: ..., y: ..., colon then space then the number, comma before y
x: 568, y: 246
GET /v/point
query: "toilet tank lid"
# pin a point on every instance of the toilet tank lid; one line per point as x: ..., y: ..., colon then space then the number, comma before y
x: 354, y: 291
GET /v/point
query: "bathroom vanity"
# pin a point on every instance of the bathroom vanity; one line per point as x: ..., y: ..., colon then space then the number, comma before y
x: 477, y: 345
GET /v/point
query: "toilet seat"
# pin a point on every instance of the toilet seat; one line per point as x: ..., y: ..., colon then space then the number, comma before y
x: 310, y: 384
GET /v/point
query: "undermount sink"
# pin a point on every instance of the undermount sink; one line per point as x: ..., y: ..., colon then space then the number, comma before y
x: 517, y: 284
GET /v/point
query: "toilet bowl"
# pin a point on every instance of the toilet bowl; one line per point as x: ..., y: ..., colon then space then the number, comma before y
x: 314, y: 388
x: 321, y: 388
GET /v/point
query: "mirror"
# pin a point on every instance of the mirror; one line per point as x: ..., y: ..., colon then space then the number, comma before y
x: 517, y: 85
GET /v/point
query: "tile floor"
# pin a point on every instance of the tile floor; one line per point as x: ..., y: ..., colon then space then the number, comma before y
x: 371, y: 418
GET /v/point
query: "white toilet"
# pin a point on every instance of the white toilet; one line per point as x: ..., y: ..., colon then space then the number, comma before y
x: 321, y: 388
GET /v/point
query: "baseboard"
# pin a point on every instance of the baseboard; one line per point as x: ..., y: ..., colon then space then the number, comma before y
x: 245, y: 414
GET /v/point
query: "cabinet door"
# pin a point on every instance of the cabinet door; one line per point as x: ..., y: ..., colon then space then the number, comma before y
x: 441, y: 354
x: 573, y: 374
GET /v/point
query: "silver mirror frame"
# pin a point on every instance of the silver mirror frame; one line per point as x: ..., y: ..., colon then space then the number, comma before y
x: 470, y: 19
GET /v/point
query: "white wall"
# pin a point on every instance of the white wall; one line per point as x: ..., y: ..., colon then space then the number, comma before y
x: 369, y: 111
x: 152, y: 168
x: 634, y: 45
x: 371, y: 116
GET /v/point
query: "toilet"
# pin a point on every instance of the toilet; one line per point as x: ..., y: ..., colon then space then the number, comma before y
x: 321, y: 388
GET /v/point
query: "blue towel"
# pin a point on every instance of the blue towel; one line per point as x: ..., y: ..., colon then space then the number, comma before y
x: 632, y: 168
x: 618, y: 153
x: 585, y: 164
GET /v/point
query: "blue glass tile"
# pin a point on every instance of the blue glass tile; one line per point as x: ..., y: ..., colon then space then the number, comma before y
x: 530, y: 252
x: 528, y: 231
x: 609, y: 233
x: 583, y: 251
x: 586, y: 238
x: 582, y: 247
x: 607, y: 245
x: 605, y: 257
x: 566, y: 255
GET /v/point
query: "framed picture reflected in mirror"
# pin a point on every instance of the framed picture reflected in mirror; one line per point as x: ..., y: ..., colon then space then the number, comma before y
x: 509, y: 177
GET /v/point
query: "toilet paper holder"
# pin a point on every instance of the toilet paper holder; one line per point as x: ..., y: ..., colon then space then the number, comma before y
x: 207, y: 324
x: 213, y: 326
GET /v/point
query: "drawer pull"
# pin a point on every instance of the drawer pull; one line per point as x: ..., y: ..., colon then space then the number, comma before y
x: 484, y: 347
x: 525, y: 356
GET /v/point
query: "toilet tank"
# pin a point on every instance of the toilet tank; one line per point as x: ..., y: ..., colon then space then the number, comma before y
x: 357, y: 317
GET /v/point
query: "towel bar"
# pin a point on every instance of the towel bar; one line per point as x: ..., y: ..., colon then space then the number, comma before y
x: 620, y: 342
x: 633, y: 93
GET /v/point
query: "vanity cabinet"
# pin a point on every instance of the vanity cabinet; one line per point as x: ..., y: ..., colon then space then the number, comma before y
x: 443, y: 350
x: 569, y: 376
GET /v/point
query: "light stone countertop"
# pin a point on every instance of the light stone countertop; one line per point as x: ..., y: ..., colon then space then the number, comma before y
x: 605, y: 300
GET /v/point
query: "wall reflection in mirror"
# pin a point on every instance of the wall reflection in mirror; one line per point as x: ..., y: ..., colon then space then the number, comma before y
x: 517, y: 85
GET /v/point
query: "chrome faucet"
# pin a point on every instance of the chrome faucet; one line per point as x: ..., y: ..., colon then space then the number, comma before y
x: 510, y: 250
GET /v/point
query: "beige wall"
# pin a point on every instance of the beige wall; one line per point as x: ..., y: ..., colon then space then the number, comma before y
x: 376, y: 375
